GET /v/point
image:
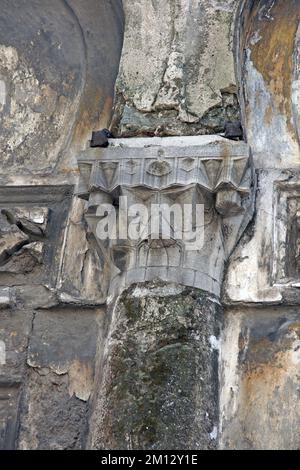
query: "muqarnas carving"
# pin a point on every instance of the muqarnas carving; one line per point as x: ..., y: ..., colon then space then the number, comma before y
x: 215, y: 174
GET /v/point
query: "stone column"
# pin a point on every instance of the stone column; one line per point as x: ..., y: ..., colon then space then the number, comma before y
x: 158, y: 373
x: 159, y: 387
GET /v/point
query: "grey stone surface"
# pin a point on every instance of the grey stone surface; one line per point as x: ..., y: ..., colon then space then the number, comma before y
x: 15, y: 329
x: 9, y: 405
x: 58, y: 62
x: 63, y: 340
x: 34, y: 296
x: 54, y: 420
x: 177, y: 71
x: 268, y: 73
x: 61, y: 353
x: 158, y: 380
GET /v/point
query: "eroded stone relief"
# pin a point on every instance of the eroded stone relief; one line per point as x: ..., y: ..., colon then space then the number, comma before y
x: 214, y: 172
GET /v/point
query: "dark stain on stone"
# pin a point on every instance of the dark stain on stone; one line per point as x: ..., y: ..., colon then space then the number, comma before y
x: 269, y: 30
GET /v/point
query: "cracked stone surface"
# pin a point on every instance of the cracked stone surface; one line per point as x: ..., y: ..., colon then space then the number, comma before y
x: 177, y: 71
x: 58, y: 423
x: 60, y: 364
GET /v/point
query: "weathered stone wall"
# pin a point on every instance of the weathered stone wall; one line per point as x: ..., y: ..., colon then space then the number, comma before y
x: 177, y: 69
x: 59, y: 381
x: 259, y: 368
x: 168, y: 366
x: 268, y: 68
x: 58, y: 64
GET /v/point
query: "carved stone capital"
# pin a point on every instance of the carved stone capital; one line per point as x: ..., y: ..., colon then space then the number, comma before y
x: 204, y: 171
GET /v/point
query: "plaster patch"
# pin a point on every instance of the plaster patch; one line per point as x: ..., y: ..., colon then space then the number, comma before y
x: 159, y: 291
x: 9, y: 57
x: 2, y: 94
x: 81, y: 380
x: 214, y: 434
x: 215, y: 343
x: 2, y: 353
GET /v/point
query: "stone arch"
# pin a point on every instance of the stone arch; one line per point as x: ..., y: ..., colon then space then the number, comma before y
x: 58, y: 64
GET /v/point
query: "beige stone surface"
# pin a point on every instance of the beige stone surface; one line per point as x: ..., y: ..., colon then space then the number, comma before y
x: 259, y: 402
x: 177, y: 71
x: 268, y: 69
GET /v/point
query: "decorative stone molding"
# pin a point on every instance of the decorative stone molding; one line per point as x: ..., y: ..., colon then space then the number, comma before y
x: 286, y: 247
x: 276, y: 233
x: 214, y: 164
x: 207, y: 170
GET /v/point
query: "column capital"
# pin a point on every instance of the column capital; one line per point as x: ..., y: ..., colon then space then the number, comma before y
x: 207, y: 171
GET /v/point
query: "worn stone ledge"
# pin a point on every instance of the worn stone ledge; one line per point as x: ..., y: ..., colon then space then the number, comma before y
x: 41, y: 297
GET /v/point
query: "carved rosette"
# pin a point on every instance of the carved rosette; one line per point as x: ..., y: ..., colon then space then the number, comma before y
x: 209, y: 171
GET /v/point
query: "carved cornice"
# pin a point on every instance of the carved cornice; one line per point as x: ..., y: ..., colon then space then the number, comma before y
x: 218, y: 167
